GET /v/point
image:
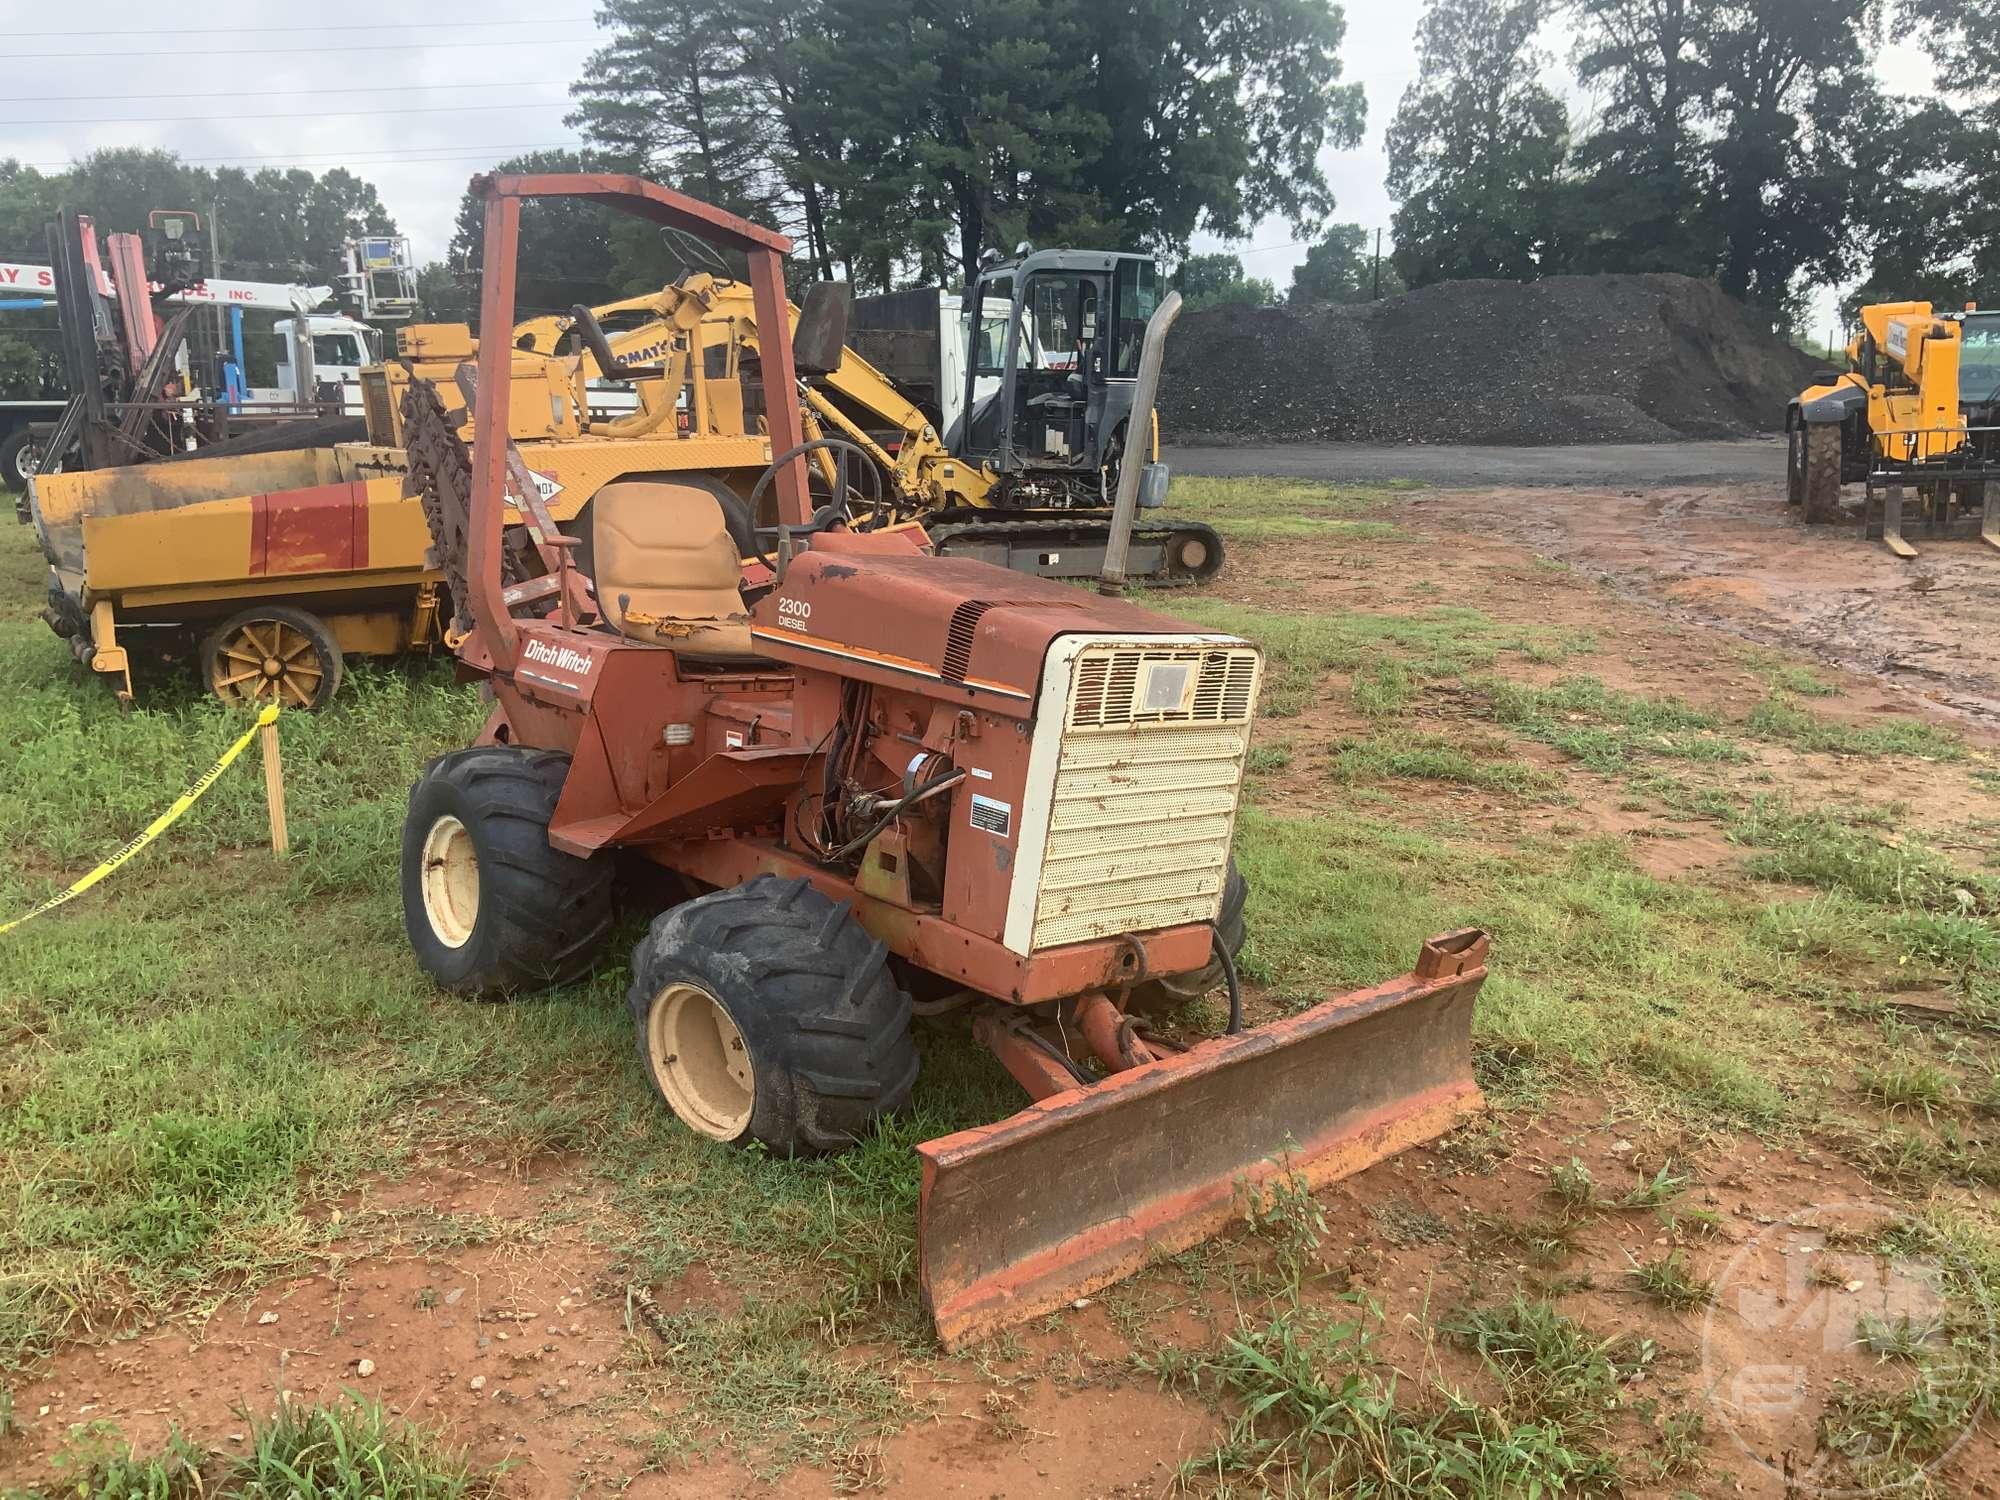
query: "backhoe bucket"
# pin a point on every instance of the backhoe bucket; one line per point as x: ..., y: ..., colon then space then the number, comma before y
x: 1084, y: 1188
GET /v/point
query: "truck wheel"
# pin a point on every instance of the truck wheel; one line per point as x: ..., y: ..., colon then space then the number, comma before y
x: 1821, y: 444
x: 490, y: 906
x: 1161, y: 997
x: 17, y: 460
x: 273, y: 653
x: 765, y: 1013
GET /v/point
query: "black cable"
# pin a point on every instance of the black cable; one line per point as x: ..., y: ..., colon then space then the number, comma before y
x: 1036, y: 1039
x: 1228, y: 961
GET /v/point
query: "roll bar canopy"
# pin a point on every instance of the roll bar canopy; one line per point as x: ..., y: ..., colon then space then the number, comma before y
x: 766, y: 250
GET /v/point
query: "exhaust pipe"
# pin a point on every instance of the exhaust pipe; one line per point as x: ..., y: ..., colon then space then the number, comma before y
x: 1152, y: 354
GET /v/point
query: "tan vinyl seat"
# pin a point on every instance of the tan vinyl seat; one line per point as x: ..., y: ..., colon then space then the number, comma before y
x: 666, y: 568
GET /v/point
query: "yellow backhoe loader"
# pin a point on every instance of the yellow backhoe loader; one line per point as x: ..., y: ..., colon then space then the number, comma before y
x: 1042, y: 506
x: 1913, y: 419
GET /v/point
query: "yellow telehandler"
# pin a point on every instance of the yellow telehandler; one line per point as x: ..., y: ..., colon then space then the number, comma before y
x: 1913, y: 419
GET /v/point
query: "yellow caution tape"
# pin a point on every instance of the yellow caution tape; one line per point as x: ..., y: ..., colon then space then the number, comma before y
x: 155, y: 828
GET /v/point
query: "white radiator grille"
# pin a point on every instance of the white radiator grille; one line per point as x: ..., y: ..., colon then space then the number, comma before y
x: 1146, y: 780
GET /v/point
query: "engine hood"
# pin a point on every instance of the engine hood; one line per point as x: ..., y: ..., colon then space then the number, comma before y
x: 967, y: 629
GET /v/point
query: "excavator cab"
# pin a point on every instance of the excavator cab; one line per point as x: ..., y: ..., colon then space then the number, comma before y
x: 1053, y: 340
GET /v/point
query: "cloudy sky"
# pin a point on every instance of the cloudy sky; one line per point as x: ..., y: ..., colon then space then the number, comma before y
x: 417, y: 109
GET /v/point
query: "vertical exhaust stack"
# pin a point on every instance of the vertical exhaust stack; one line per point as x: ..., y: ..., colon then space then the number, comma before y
x: 1152, y: 354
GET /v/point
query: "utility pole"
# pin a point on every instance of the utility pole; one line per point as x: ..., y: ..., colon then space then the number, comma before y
x: 1378, y: 263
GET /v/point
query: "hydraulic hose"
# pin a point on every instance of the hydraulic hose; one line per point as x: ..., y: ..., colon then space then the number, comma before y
x: 1228, y: 961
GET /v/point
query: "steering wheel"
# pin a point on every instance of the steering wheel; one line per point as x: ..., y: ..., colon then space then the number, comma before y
x: 841, y: 507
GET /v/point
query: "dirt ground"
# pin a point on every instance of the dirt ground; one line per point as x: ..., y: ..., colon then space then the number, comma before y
x: 1728, y: 555
x: 485, y: 1301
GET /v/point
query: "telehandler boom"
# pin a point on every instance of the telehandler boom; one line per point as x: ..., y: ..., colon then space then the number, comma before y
x: 906, y: 784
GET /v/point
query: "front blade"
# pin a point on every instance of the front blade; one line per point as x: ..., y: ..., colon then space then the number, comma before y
x: 1083, y: 1188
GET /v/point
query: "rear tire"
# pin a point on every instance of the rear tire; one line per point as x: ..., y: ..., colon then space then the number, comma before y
x: 1161, y: 997
x: 1821, y: 443
x: 16, y: 460
x: 765, y: 1013
x: 491, y: 908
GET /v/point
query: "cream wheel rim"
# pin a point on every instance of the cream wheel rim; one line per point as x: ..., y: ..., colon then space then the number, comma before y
x: 268, y: 661
x: 451, y: 882
x: 700, y: 1060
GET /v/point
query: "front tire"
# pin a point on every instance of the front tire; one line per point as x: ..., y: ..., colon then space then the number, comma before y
x: 1821, y: 444
x: 490, y: 906
x: 765, y: 1013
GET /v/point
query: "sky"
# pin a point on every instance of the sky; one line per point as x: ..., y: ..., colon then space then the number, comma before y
x: 417, y: 109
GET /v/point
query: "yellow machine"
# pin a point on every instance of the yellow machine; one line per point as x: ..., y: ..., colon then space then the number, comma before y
x: 281, y: 563
x: 969, y: 506
x: 1914, y: 413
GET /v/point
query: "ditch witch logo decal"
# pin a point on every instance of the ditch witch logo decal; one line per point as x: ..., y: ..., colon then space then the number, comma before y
x: 563, y: 658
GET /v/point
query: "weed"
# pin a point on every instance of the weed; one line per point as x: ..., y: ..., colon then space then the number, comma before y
x: 1313, y: 1413
x: 1572, y: 1183
x: 1404, y: 1224
x: 349, y: 1450
x: 1542, y: 1242
x: 1779, y: 717
x: 1430, y: 757
x: 1824, y: 847
x: 1670, y: 1281
x: 1663, y: 1187
x: 1902, y: 1337
x: 1552, y: 1367
x: 1603, y: 727
x: 1906, y: 1085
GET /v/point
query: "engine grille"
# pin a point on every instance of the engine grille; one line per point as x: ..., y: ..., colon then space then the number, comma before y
x: 1144, y: 801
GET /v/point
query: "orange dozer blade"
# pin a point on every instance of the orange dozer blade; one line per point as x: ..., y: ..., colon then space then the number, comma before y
x: 1083, y: 1188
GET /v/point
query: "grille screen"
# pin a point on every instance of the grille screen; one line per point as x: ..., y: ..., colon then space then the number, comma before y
x: 1145, y: 797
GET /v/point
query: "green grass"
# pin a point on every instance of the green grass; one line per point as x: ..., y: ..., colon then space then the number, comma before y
x: 1671, y: 1282
x: 350, y: 1450
x: 1397, y: 653
x: 1311, y: 1409
x: 1432, y: 757
x: 1258, y: 510
x: 213, y: 1045
x: 1604, y: 728
x: 1780, y: 717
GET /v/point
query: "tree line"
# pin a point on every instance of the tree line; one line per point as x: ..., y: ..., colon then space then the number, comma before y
x: 1744, y: 140
x: 898, y: 141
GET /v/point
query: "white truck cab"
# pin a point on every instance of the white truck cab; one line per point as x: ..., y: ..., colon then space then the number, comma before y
x: 341, y: 348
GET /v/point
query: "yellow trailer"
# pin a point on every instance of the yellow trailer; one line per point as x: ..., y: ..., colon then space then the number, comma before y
x: 279, y: 563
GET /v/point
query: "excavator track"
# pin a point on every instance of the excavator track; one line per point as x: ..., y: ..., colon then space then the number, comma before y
x: 1166, y: 553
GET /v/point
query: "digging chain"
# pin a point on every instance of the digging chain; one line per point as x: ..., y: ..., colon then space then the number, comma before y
x: 440, y: 471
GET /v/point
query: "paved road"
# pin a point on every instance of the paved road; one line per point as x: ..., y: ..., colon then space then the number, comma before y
x: 1620, y: 465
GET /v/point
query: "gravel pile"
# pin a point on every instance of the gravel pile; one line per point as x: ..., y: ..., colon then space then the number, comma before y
x: 1574, y: 359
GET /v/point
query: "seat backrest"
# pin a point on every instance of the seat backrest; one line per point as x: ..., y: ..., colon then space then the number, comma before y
x: 666, y: 567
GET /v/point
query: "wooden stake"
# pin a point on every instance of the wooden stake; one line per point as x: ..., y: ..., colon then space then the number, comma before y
x: 274, y: 790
